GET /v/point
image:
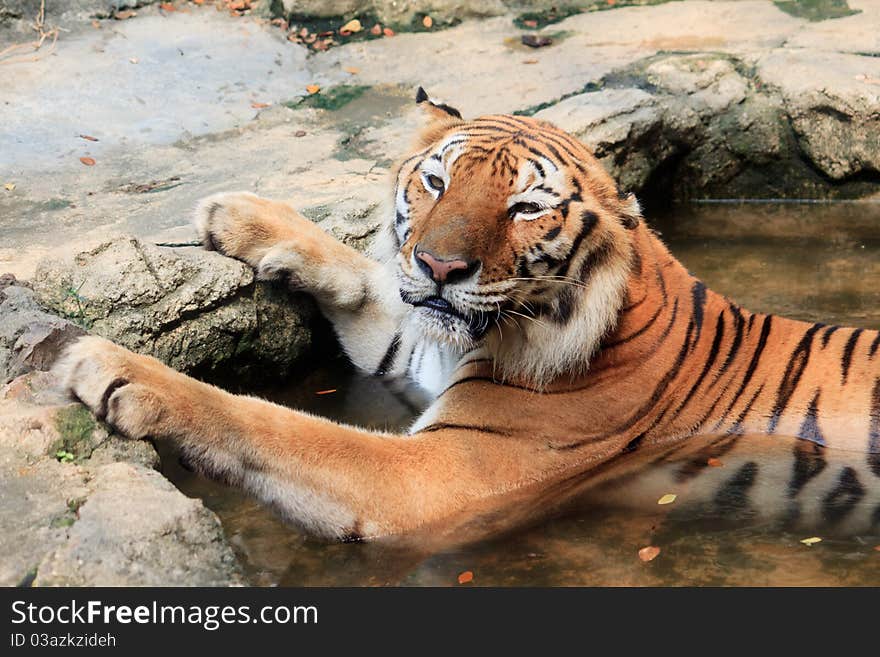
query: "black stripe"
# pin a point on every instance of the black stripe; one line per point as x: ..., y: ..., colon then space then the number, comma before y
x: 733, y: 496
x: 809, y: 461
x: 713, y: 354
x: 496, y: 121
x: 738, y: 326
x: 552, y: 233
x: 388, y: 359
x: 810, y: 427
x: 874, y: 345
x: 700, y: 462
x: 826, y: 336
x: 844, y: 497
x: 115, y: 385
x: 439, y: 426
x: 874, y: 430
x: 698, y: 292
x: 661, y: 387
x: 633, y: 444
x: 588, y: 223
x: 848, y: 350
x: 793, y: 372
x: 632, y: 336
x: 766, y: 324
x: 737, y: 427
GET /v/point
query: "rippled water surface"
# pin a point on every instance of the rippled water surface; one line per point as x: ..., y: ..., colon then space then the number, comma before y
x: 731, y: 524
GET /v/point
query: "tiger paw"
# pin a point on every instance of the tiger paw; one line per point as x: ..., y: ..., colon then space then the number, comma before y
x: 242, y: 225
x: 121, y: 388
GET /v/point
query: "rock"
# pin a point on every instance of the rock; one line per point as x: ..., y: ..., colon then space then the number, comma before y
x: 675, y: 126
x: 136, y: 529
x: 833, y: 100
x: 81, y: 506
x: 195, y: 310
x: 394, y: 12
x: 30, y: 338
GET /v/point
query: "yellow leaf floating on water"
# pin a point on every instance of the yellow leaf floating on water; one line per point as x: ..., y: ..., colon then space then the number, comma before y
x: 811, y: 541
x: 649, y: 553
x: 669, y: 498
x: 313, y: 88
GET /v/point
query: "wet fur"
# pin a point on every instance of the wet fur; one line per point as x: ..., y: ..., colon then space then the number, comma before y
x: 622, y: 350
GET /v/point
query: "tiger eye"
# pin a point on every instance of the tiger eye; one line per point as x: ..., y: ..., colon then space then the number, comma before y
x: 435, y: 181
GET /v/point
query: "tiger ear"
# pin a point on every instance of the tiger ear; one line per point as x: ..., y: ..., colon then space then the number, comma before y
x: 630, y: 210
x: 440, y: 117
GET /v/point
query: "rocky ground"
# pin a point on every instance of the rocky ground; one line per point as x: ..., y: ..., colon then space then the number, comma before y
x: 110, y: 135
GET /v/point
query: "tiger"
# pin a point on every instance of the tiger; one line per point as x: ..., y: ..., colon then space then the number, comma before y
x: 554, y: 331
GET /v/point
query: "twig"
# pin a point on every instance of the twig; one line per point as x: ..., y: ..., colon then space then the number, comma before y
x: 39, y: 26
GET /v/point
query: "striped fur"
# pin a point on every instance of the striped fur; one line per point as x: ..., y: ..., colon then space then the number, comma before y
x: 570, y: 338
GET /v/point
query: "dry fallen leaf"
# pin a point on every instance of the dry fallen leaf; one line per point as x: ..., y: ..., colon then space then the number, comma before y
x: 321, y: 44
x: 260, y: 105
x: 649, y: 553
x: 199, y: 2
x: 811, y: 541
x: 96, y: 25
x: 88, y: 161
x: 313, y: 88
x: 531, y: 24
x: 167, y: 6
x: 354, y: 70
x: 465, y: 577
x: 123, y: 15
x: 9, y: 187
x: 351, y: 26
x: 530, y: 61
x: 388, y: 32
x: 88, y: 138
x: 376, y: 30
x: 428, y: 22
x: 713, y: 462
x: 669, y: 498
x: 326, y: 392
x: 299, y: 133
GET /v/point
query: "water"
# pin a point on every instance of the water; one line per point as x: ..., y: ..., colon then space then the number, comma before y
x: 730, y: 525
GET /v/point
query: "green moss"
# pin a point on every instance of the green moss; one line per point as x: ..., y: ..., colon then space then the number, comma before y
x: 75, y: 426
x: 438, y: 23
x: 534, y: 109
x: 535, y: 20
x: 331, y: 99
x: 816, y: 10
x: 326, y: 24
x: 62, y: 521
x: 55, y: 204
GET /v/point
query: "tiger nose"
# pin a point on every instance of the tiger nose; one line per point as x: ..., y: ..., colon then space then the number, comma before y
x: 442, y: 270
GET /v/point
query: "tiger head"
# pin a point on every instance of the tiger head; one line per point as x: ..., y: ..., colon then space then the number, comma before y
x: 508, y: 232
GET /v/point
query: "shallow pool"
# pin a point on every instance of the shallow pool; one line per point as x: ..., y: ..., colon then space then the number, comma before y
x: 731, y: 524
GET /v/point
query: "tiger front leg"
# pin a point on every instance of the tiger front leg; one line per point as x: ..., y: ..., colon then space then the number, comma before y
x: 356, y: 293
x: 336, y: 481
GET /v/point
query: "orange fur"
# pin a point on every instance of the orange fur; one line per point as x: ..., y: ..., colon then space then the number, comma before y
x: 620, y: 348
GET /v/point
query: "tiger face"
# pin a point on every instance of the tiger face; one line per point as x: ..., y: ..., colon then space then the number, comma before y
x: 501, y: 219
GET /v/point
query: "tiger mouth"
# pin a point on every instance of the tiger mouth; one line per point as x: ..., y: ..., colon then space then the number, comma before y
x: 439, y: 308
